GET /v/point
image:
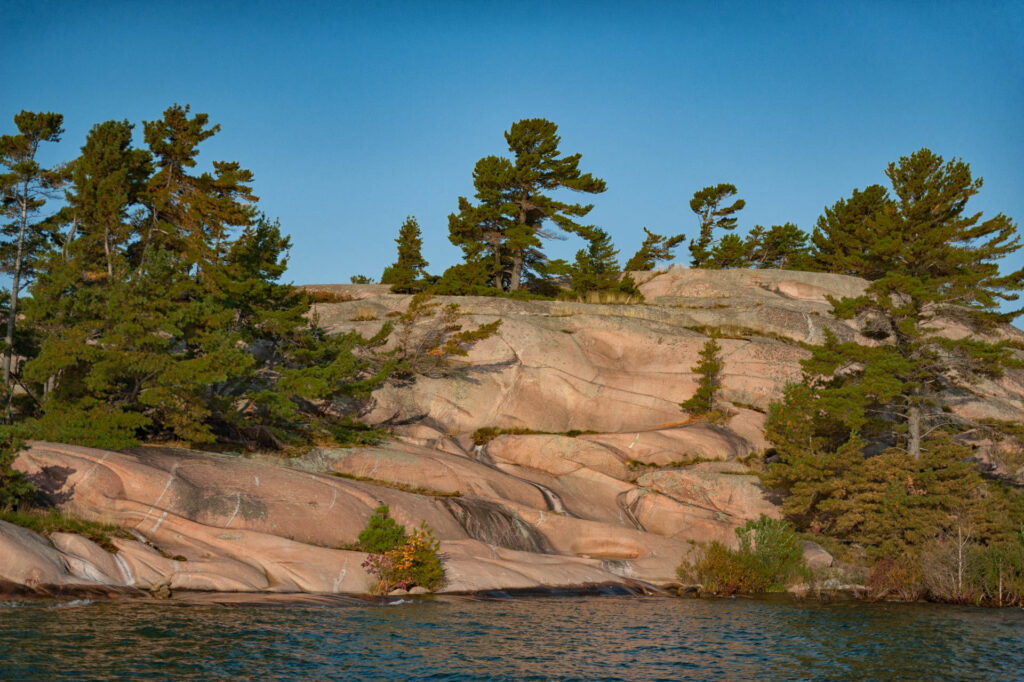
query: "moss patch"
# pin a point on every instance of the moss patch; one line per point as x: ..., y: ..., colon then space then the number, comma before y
x: 416, y: 490
x: 53, y: 521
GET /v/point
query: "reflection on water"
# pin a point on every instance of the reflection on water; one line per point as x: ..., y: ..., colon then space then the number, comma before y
x: 453, y: 638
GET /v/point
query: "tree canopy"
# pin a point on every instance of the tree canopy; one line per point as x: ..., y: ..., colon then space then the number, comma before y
x: 502, y: 233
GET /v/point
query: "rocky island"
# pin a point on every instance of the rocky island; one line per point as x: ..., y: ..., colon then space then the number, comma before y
x: 554, y: 455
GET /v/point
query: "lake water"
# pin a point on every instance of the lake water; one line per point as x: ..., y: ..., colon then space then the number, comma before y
x: 592, y: 637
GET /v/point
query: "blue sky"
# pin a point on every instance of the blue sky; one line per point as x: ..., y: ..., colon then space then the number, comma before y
x: 355, y: 115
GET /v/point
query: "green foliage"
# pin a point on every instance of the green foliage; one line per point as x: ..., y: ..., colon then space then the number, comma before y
x: 769, y: 558
x: 844, y: 237
x: 998, y: 572
x: 486, y: 434
x: 14, y: 487
x: 655, y: 248
x: 53, y: 521
x: 415, y: 490
x: 400, y: 560
x: 429, y: 335
x: 501, y: 234
x: 406, y: 275
x: 940, y: 266
x: 421, y: 560
x: 730, y: 252
x: 712, y: 215
x: 709, y: 369
x: 161, y: 314
x: 889, y: 503
x: 349, y: 433
x: 361, y: 279
x: 382, y: 533
x: 25, y: 188
x: 597, y: 268
x: 781, y: 246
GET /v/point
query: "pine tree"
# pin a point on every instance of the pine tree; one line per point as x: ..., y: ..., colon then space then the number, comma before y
x: 107, y: 181
x: 781, y: 246
x: 169, y: 321
x: 597, y: 267
x: 192, y: 215
x: 709, y: 369
x: 505, y: 229
x: 480, y: 230
x: 25, y: 188
x: 943, y: 266
x: 406, y: 275
x: 731, y: 251
x: 655, y: 248
x: 712, y: 215
x: 844, y: 237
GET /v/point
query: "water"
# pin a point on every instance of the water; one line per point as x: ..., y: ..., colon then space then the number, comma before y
x: 539, y: 638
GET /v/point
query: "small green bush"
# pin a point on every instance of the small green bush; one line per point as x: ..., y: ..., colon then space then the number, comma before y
x: 382, y: 533
x: 399, y: 560
x: 999, y: 572
x: 769, y: 557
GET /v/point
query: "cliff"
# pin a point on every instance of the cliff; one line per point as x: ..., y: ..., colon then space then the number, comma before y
x: 603, y: 479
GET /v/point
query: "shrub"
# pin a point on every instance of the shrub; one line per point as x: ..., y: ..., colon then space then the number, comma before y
x: 999, y: 573
x: 896, y: 578
x: 398, y: 560
x: 769, y: 557
x: 778, y: 553
x: 417, y: 561
x: 382, y: 533
x: 723, y: 571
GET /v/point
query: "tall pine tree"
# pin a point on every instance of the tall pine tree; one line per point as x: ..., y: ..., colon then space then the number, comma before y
x: 406, y: 274
x: 845, y: 234
x: 504, y: 230
x: 712, y: 215
x: 25, y: 187
x: 943, y: 266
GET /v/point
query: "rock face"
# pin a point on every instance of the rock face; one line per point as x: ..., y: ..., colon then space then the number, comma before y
x: 602, y: 479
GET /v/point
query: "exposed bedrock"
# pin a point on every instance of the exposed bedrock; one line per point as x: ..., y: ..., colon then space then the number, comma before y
x: 593, y: 473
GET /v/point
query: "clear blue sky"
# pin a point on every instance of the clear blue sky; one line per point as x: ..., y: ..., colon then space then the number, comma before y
x: 355, y: 115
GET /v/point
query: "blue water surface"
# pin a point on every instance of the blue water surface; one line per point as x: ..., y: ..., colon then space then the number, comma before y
x: 592, y: 637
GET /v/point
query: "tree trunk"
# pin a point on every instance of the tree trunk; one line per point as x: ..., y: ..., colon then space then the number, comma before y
x: 15, y: 283
x: 914, y: 432
x: 70, y: 238
x: 106, y: 251
x: 517, y: 270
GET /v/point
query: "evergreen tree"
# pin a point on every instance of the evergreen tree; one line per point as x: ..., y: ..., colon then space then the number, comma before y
x: 709, y: 369
x: 711, y: 216
x: 597, y: 267
x: 25, y: 187
x: 480, y: 230
x: 943, y: 266
x: 781, y: 247
x: 506, y: 227
x: 406, y: 275
x: 731, y: 251
x: 655, y: 248
x: 107, y: 181
x: 846, y: 233
x: 192, y: 215
x: 188, y: 332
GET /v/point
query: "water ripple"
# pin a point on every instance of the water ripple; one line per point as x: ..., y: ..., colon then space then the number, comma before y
x: 463, y: 639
